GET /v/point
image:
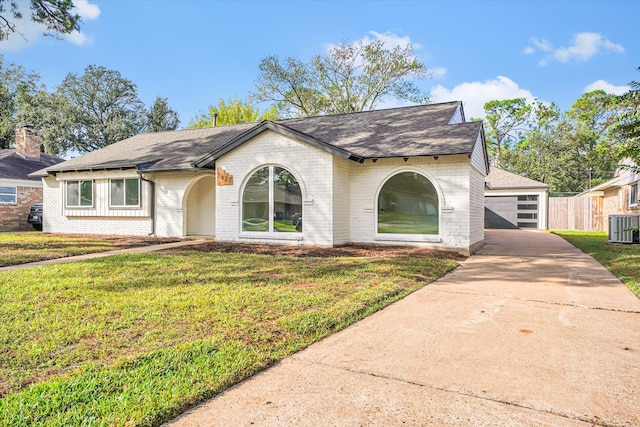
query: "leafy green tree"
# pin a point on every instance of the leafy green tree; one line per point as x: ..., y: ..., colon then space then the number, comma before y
x: 17, y: 88
x: 57, y: 16
x: 544, y: 152
x: 95, y: 110
x: 232, y: 112
x: 629, y: 123
x: 160, y: 117
x: 290, y: 84
x: 503, y: 121
x: 352, y: 77
x: 594, y: 118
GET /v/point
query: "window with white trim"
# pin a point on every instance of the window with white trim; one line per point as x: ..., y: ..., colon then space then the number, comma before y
x: 272, y: 202
x: 633, y: 194
x: 8, y: 195
x: 124, y: 192
x: 408, y: 204
x: 79, y: 194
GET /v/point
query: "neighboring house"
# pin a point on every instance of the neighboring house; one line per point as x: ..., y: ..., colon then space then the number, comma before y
x: 402, y: 176
x: 18, y: 191
x: 620, y: 194
x: 513, y: 201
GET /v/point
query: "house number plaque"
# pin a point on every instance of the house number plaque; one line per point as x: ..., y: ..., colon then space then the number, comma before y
x: 224, y: 178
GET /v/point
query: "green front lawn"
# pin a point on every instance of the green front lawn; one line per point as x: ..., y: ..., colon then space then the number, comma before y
x: 623, y: 260
x: 136, y: 339
x: 31, y: 246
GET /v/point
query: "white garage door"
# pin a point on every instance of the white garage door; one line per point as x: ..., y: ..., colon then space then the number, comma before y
x: 511, y: 211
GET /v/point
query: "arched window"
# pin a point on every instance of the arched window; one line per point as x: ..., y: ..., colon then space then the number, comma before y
x: 272, y: 202
x: 408, y: 204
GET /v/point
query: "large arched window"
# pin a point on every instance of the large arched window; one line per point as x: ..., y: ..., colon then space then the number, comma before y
x: 272, y: 202
x: 408, y: 204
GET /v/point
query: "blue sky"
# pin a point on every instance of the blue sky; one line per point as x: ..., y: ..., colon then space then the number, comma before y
x: 196, y: 52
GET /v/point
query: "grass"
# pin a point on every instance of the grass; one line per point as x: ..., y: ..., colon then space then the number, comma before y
x: 622, y: 260
x: 23, y: 247
x: 136, y: 339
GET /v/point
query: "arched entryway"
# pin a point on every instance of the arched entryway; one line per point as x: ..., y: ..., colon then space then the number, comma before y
x: 200, y: 207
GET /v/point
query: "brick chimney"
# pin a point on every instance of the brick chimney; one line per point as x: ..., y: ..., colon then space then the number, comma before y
x: 28, y: 142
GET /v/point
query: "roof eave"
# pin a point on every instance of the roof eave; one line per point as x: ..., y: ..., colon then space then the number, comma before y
x: 174, y: 170
x: 411, y: 156
x: 519, y: 187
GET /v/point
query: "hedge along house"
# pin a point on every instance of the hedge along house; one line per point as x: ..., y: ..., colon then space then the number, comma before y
x: 408, y: 176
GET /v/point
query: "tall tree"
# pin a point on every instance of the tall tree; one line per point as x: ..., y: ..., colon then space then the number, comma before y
x: 161, y: 117
x: 231, y: 112
x: 594, y: 118
x: 17, y: 87
x: 94, y: 110
x: 629, y: 123
x: 351, y: 77
x: 504, y: 120
x: 58, y: 16
x: 544, y: 152
x: 291, y: 85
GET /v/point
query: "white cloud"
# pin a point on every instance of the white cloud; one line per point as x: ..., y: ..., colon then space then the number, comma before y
x: 78, y: 38
x: 437, y: 72
x: 541, y: 44
x: 391, y: 40
x: 29, y: 32
x: 86, y: 10
x: 607, y: 87
x: 584, y: 47
x: 475, y: 94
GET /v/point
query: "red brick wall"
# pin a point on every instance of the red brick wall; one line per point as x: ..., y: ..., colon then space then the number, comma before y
x: 14, y: 217
x: 28, y: 143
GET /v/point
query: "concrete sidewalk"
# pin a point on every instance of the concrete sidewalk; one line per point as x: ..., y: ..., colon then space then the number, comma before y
x: 530, y: 331
x: 148, y: 248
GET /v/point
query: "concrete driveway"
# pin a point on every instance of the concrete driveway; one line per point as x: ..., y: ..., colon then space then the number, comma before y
x: 528, y: 332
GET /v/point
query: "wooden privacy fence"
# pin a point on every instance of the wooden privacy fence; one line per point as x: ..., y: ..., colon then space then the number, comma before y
x: 576, y: 213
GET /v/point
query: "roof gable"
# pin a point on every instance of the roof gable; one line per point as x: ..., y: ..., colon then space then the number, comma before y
x: 278, y: 128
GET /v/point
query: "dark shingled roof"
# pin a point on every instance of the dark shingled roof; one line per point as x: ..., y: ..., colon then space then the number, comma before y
x: 157, y: 151
x: 398, y: 132
x: 422, y: 130
x: 499, y: 179
x: 14, y: 166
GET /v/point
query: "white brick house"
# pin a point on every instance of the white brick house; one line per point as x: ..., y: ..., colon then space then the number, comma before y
x: 403, y: 176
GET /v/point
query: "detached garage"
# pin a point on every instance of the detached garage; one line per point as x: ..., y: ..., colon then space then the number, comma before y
x: 513, y: 201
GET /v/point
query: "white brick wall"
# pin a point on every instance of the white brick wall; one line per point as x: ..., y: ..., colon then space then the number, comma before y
x: 450, y: 177
x: 479, y: 157
x: 312, y: 168
x: 200, y: 207
x: 339, y: 199
x: 476, y: 213
x: 171, y: 204
x: 99, y: 220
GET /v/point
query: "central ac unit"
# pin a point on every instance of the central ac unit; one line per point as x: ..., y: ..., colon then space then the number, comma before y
x: 623, y: 228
